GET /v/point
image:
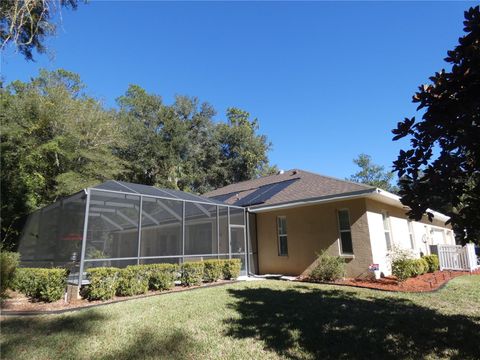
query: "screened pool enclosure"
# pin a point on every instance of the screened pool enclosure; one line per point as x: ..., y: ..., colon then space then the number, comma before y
x: 120, y: 224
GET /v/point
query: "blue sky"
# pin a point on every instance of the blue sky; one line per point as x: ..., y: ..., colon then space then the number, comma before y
x: 326, y: 80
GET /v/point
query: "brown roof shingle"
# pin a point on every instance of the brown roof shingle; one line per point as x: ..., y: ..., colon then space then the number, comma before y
x: 293, y: 185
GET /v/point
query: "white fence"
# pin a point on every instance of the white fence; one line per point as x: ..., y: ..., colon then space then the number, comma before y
x: 456, y: 257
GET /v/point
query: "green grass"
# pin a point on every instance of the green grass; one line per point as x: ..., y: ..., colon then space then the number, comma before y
x: 264, y: 319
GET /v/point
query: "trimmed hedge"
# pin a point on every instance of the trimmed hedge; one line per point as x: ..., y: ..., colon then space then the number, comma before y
x: 133, y: 280
x: 8, y: 264
x: 103, y: 283
x: 407, y: 268
x: 328, y: 268
x: 433, y: 262
x: 41, y: 284
x: 161, y: 276
x: 191, y: 273
x: 213, y: 270
x: 231, y: 268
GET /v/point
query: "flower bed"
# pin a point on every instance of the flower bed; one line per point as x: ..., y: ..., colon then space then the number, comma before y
x: 18, y: 302
x: 421, y: 283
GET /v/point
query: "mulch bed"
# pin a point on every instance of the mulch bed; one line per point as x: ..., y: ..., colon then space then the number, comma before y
x: 423, y: 283
x: 18, y: 303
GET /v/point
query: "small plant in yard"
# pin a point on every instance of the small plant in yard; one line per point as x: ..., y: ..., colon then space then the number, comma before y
x: 103, y: 283
x: 8, y: 264
x: 433, y: 263
x: 405, y: 266
x: 213, y: 270
x: 41, y: 284
x: 161, y: 276
x: 231, y: 268
x: 328, y: 268
x: 191, y: 273
x: 133, y: 280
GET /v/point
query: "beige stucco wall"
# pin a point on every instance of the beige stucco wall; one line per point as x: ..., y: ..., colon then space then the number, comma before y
x: 311, y: 229
x: 400, y: 234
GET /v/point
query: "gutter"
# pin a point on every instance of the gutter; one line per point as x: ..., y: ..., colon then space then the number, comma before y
x: 373, y: 193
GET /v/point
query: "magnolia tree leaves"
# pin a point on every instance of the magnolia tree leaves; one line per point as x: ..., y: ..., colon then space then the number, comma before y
x: 441, y: 170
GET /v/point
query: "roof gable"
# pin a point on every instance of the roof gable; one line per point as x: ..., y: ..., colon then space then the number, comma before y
x: 292, y: 185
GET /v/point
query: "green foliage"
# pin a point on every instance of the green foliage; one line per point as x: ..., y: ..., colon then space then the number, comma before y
x: 133, y: 280
x: 372, y: 174
x: 441, y: 169
x: 213, y: 270
x: 8, y: 264
x: 231, y: 268
x: 103, y: 283
x: 41, y: 284
x: 191, y: 273
x: 57, y: 140
x: 327, y: 268
x: 161, y: 276
x: 407, y: 268
x: 432, y: 262
x: 26, y: 24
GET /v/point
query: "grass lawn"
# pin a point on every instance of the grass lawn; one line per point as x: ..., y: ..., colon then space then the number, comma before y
x: 263, y: 319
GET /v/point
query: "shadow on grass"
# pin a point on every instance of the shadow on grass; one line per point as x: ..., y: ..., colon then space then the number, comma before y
x: 151, y: 345
x: 333, y: 324
x: 66, y: 336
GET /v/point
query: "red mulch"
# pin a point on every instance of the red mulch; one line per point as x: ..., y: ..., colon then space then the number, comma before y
x: 422, y: 283
x: 18, y: 302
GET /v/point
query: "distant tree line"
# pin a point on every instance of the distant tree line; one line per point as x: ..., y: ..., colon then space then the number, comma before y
x: 56, y: 140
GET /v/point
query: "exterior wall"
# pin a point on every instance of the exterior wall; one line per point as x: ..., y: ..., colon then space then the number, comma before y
x: 311, y: 229
x: 425, y: 233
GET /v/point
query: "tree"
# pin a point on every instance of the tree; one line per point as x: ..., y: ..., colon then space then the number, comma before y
x: 372, y: 174
x: 243, y: 153
x: 55, y: 141
x: 441, y: 170
x: 26, y: 23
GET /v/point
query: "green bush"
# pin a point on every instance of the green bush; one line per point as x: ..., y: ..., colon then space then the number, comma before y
x: 231, y: 268
x: 213, y: 270
x: 407, y: 268
x: 161, y: 276
x: 133, y: 280
x: 328, y: 268
x: 191, y: 273
x: 8, y: 264
x: 433, y: 263
x: 41, y: 284
x: 103, y: 283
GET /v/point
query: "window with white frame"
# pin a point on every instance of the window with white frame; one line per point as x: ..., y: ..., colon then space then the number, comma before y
x: 410, y: 233
x: 282, y: 236
x: 387, y: 231
x: 346, y: 246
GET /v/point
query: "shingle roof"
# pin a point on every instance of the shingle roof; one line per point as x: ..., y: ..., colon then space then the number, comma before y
x: 123, y: 186
x: 289, y: 186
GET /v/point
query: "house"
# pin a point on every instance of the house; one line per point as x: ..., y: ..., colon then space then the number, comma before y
x: 295, y: 214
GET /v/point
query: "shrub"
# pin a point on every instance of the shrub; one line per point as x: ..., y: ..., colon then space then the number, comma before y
x: 41, y: 284
x: 213, y: 270
x: 328, y: 268
x: 133, y: 280
x: 231, y: 268
x: 406, y: 268
x: 8, y: 264
x: 191, y: 273
x: 161, y: 276
x: 433, y: 263
x: 103, y: 283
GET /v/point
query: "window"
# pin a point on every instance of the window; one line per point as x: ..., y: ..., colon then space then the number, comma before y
x: 282, y: 235
x: 386, y: 228
x: 346, y: 246
x: 410, y: 232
